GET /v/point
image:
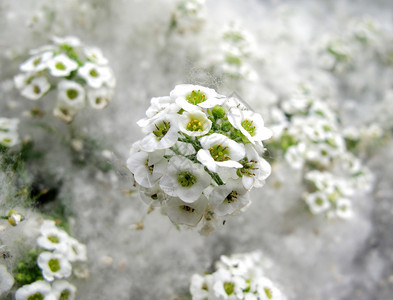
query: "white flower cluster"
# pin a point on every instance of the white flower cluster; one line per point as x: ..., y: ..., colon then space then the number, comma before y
x: 80, y: 75
x: 309, y: 133
x: 237, y: 47
x: 9, y: 132
x: 360, y: 39
x: 189, y: 15
x: 55, y: 264
x: 201, y: 155
x: 239, y: 276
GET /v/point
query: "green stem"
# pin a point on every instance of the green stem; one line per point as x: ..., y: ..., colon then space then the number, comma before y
x: 215, y: 177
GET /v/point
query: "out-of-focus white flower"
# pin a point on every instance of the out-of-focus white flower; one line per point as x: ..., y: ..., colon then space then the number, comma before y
x: 54, y: 265
x: 61, y: 65
x: 7, y: 281
x: 63, y: 290
x: 344, y: 208
x: 220, y: 151
x: 9, y: 136
x: 95, y: 75
x: 75, y: 251
x: 180, y: 212
x: 317, y: 202
x: 36, y: 63
x: 95, y: 55
x: 72, y: 94
x: 184, y: 179
x: 99, y: 98
x: 14, y: 218
x: 36, y: 88
x: 36, y: 290
x: 68, y: 41
x: 64, y: 112
x: 52, y: 238
x: 201, y: 287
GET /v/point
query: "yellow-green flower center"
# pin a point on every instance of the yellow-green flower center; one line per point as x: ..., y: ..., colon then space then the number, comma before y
x: 186, y: 179
x: 60, y: 66
x: 54, y: 239
x: 319, y: 201
x: 65, y: 295
x: 54, y: 265
x: 219, y: 152
x: 36, y: 61
x: 36, y: 296
x: 248, y: 169
x: 248, y: 125
x: 161, y: 129
x: 229, y: 288
x: 72, y: 94
x: 186, y: 208
x: 268, y: 293
x: 149, y: 168
x: 93, y: 73
x: 196, y: 97
x: 195, y: 125
x: 36, y: 89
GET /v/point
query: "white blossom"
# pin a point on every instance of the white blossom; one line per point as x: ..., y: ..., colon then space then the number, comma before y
x: 53, y: 266
x: 36, y: 88
x: 61, y: 65
x: 37, y: 289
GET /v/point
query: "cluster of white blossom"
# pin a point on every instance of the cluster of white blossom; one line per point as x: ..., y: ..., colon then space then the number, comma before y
x: 188, y: 15
x: 80, y: 74
x: 236, y: 47
x: 360, y: 40
x: 55, y: 263
x: 239, y: 276
x: 201, y: 155
x: 9, y: 132
x: 308, y: 132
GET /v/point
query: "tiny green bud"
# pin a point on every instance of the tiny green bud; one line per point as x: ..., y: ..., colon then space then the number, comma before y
x: 226, y: 126
x: 218, y: 112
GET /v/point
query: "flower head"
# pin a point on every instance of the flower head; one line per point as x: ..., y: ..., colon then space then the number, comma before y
x: 54, y: 265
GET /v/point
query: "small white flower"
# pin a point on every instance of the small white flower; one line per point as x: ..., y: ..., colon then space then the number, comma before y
x: 23, y: 79
x: 36, y: 63
x: 75, y: 251
x: 194, y: 123
x: 229, y: 198
x: 152, y: 196
x: 52, y: 238
x: 63, y: 290
x: 195, y: 97
x: 255, y: 169
x: 147, y: 167
x: 7, y: 281
x: 180, y: 212
x: 201, y: 287
x: 68, y: 40
x: 99, y: 98
x: 184, y: 179
x: 14, y: 218
x: 53, y: 265
x: 36, y: 88
x: 162, y: 134
x: 344, y: 208
x: 72, y: 94
x: 95, y: 75
x: 295, y: 156
x: 317, y: 202
x: 36, y: 290
x: 250, y: 124
x: 228, y: 286
x: 61, y: 65
x: 9, y: 132
x: 220, y: 151
x: 95, y: 55
x: 64, y: 112
x: 267, y: 290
